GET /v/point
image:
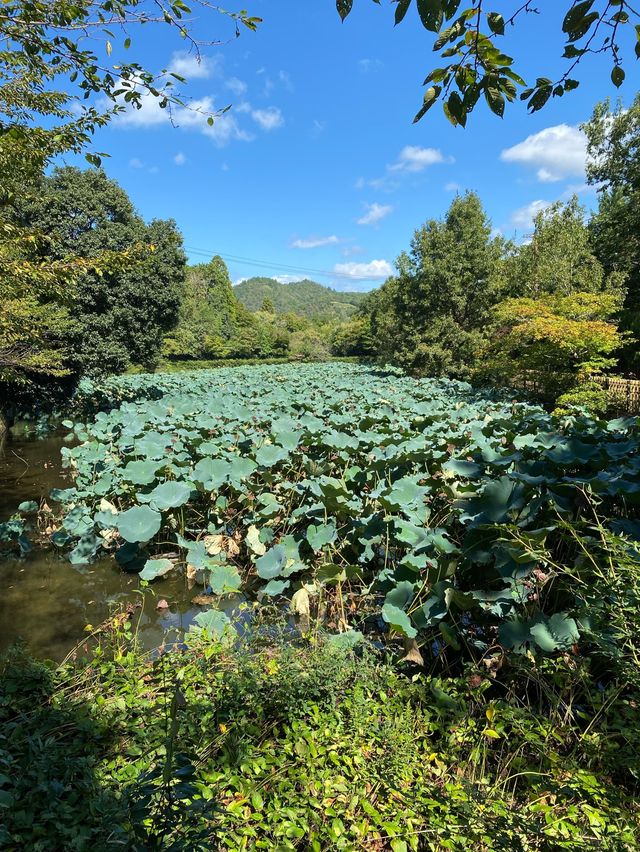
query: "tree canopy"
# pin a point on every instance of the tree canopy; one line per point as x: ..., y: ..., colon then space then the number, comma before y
x: 122, y: 311
x: 429, y: 317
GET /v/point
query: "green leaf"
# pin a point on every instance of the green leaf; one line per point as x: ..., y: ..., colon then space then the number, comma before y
x: 401, y: 596
x: 154, y: 568
x: 169, y: 495
x: 617, y: 76
x: 399, y: 620
x: 320, y: 535
x: 272, y: 563
x: 431, y: 14
x: 344, y: 7
x: 401, y: 10
x: 496, y: 23
x: 270, y: 455
x: 275, y: 587
x: 224, y: 579
x: 213, y: 622
x: 140, y: 523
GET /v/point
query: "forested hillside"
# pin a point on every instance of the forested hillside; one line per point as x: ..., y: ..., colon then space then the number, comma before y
x: 305, y: 298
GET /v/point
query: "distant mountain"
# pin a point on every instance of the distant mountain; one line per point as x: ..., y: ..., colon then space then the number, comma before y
x: 306, y: 298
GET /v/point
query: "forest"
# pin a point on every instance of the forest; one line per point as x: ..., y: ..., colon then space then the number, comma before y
x: 287, y: 566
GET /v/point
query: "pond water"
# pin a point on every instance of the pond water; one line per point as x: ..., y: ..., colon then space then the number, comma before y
x: 48, y: 603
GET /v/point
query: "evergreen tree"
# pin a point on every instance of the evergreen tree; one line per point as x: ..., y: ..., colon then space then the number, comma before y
x: 429, y: 318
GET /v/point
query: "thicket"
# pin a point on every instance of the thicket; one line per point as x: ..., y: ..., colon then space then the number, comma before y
x: 300, y: 745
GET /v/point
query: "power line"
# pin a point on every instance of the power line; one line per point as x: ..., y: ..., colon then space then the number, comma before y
x: 265, y: 264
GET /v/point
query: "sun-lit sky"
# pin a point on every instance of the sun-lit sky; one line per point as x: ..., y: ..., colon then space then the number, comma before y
x: 317, y: 170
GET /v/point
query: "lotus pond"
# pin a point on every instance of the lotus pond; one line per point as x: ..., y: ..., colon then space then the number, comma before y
x: 361, y: 499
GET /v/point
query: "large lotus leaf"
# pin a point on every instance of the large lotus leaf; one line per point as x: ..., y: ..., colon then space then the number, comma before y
x: 287, y: 438
x: 270, y: 455
x: 63, y: 495
x: 275, y: 587
x: 240, y: 468
x: 559, y: 632
x: 515, y: 635
x: 404, y: 494
x: 319, y: 535
x: 169, y: 495
x: 272, y: 563
x: 141, y: 472
x: 85, y: 549
x: 401, y: 596
x: 346, y: 640
x: 152, y: 445
x: 214, y: 623
x: 154, y: 568
x: 430, y: 613
x: 571, y: 451
x: 399, y: 620
x: 139, y: 523
x: 77, y: 521
x: 493, y: 503
x: 211, y: 473
x: 224, y: 579
x: 461, y: 467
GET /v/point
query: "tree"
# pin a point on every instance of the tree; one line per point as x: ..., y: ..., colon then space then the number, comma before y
x: 429, y: 319
x: 207, y: 320
x: 614, y: 167
x: 122, y: 311
x: 475, y: 66
x: 354, y: 337
x: 559, y: 259
x: 554, y: 345
x: 43, y: 42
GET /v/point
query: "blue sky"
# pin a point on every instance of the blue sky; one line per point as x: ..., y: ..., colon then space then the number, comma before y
x: 317, y: 170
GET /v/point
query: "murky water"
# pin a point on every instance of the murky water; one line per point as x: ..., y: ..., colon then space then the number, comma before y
x: 48, y: 602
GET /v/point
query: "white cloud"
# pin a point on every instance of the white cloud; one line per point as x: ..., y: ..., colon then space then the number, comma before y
x: 192, y: 66
x: 349, y: 251
x: 375, y: 213
x: 288, y: 279
x: 412, y: 158
x: 366, y: 65
x: 194, y: 117
x: 556, y: 153
x: 317, y: 127
x: 238, y: 87
x: 179, y: 159
x: 315, y: 242
x: 364, y: 271
x: 135, y: 163
x: 522, y: 218
x: 285, y: 80
x: 268, y: 119
x: 452, y: 186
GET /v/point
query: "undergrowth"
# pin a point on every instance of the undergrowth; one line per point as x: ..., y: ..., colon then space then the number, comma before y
x: 274, y: 745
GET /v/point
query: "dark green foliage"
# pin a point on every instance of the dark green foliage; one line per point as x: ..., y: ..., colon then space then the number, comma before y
x: 304, y: 298
x: 120, y: 315
x: 299, y: 747
x: 429, y: 319
x: 213, y: 323
x: 559, y: 260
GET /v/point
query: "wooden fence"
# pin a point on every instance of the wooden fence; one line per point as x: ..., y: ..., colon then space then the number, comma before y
x: 624, y: 394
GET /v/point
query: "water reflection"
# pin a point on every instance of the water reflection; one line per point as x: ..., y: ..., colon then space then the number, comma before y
x: 48, y: 603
